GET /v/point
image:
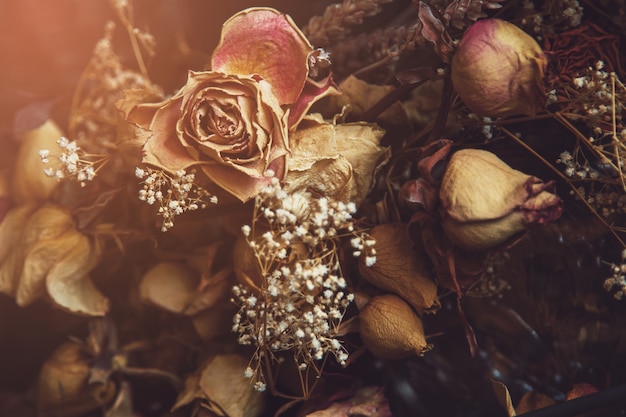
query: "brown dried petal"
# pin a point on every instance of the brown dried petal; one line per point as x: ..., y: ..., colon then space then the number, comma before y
x: 390, y: 329
x: 213, y: 322
x: 237, y: 397
x: 401, y: 269
x: 136, y: 108
x: 27, y: 228
x: 39, y: 260
x: 169, y: 285
x: 366, y: 402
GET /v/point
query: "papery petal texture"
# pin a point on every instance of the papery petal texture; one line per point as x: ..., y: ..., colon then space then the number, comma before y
x: 265, y: 42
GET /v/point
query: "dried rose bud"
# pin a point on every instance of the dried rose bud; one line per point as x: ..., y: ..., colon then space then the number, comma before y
x: 390, y: 329
x: 498, y: 70
x: 484, y: 202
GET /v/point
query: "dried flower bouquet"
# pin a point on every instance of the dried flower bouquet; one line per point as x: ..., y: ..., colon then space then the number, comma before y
x: 374, y: 208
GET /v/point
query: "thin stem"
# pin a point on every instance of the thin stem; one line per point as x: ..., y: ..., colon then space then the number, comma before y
x: 567, y: 180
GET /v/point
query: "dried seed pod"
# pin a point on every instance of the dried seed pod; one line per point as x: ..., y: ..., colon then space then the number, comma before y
x: 401, y: 269
x: 390, y: 329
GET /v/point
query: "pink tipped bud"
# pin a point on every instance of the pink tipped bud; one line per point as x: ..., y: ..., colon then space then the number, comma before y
x: 498, y: 70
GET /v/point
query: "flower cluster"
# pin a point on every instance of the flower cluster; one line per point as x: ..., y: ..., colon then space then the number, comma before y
x: 617, y: 281
x: 72, y: 162
x: 301, y: 296
x: 175, y: 194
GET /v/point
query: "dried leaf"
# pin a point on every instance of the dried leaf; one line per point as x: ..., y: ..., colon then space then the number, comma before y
x: 532, y: 401
x: 30, y: 183
x: 401, y: 269
x: 366, y: 402
x: 461, y: 13
x: 503, y: 396
x: 435, y: 31
x: 361, y: 96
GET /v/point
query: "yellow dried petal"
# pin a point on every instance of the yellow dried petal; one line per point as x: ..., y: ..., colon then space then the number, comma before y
x: 11, y: 255
x: 69, y: 284
x: 39, y: 260
x: 169, y: 285
x: 30, y: 183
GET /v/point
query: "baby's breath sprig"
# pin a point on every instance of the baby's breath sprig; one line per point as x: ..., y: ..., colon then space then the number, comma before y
x: 616, y: 283
x: 72, y: 162
x: 303, y: 296
x: 175, y: 194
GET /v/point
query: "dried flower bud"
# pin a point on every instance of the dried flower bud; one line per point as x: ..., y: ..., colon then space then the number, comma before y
x: 498, y: 70
x: 484, y: 202
x: 63, y: 388
x: 390, y: 329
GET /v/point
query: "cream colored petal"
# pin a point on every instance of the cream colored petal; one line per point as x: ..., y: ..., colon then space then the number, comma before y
x: 69, y: 284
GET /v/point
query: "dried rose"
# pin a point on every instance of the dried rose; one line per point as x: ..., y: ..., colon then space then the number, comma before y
x: 232, y: 122
x: 484, y: 202
x: 231, y: 127
x: 390, y: 329
x: 498, y: 70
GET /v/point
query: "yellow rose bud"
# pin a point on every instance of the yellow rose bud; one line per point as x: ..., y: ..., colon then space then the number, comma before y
x: 498, y: 70
x: 485, y: 202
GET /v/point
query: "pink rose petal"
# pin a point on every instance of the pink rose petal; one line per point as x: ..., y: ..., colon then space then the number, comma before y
x: 265, y: 42
x: 312, y: 91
